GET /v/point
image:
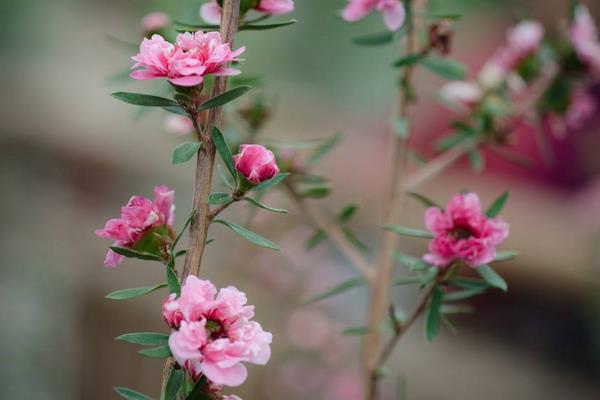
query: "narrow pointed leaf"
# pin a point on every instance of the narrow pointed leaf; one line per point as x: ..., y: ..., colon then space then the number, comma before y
x: 248, y: 235
x: 357, y: 331
x: 432, y: 318
x: 347, y: 213
x: 144, y: 100
x: 145, y: 338
x: 173, y: 281
x: 263, y: 206
x: 219, y: 198
x: 429, y: 275
x: 411, y: 232
x: 354, y: 240
x: 224, y: 98
x: 185, y: 152
x: 264, y: 27
x: 476, y: 159
x: 338, y: 289
x: 445, y: 67
x: 317, y: 238
x: 469, y: 283
x: 316, y: 192
x: 324, y: 148
x: 126, y: 294
x: 505, y: 255
x: 130, y: 253
x: 173, y: 384
x: 407, y: 281
x: 492, y: 277
x: 426, y: 201
x: 271, y: 182
x: 408, y: 60
x: 157, y: 352
x: 497, y: 205
x: 130, y: 394
x: 188, y: 221
x: 224, y: 151
x: 374, y: 39
x: 464, y: 294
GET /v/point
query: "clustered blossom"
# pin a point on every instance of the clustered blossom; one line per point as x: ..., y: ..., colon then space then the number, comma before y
x: 393, y: 11
x: 584, y: 37
x: 213, y: 334
x: 256, y: 163
x: 185, y: 63
x: 138, y: 216
x: 463, y: 232
x: 211, y: 12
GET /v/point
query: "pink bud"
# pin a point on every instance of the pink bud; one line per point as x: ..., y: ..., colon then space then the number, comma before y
x: 256, y: 163
x: 155, y: 22
x: 171, y: 312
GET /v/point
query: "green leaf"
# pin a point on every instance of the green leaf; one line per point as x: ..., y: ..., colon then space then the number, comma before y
x: 145, y: 338
x: 131, y: 394
x: 338, y: 289
x: 188, y: 221
x: 325, y: 147
x: 374, y: 39
x: 476, y: 159
x: 347, y: 213
x: 224, y: 98
x: 445, y: 67
x: 200, y: 391
x: 492, y: 277
x: 219, y: 198
x: 497, y: 205
x: 173, y: 384
x: 126, y: 294
x: 408, y: 60
x: 429, y: 275
x: 176, y: 110
x: 224, y: 151
x: 426, y: 201
x: 505, y: 255
x: 144, y: 100
x: 457, y: 308
x: 173, y: 281
x: 130, y: 253
x: 358, y: 331
x: 319, y: 192
x: 432, y: 318
x: 464, y: 294
x: 469, y: 283
x: 401, y: 230
x: 253, y: 27
x: 453, y: 17
x: 265, y: 207
x: 407, y: 281
x: 271, y: 182
x: 157, y: 352
x: 318, y: 237
x: 185, y: 152
x: 248, y: 235
x: 354, y: 240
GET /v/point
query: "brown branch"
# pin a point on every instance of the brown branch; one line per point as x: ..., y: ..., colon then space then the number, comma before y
x: 324, y: 223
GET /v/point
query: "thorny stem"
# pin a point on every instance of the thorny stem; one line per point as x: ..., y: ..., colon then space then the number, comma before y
x: 205, y: 163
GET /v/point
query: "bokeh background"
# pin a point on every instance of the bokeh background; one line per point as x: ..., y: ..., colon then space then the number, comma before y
x: 70, y: 156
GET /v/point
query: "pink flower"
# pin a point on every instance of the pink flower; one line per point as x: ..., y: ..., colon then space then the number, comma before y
x: 213, y: 333
x: 231, y: 397
x: 256, y: 163
x: 584, y: 37
x: 461, y: 93
x: 582, y: 107
x: 211, y: 12
x: 393, y: 11
x: 463, y: 232
x: 186, y: 62
x: 154, y: 22
x: 178, y: 124
x: 137, y: 217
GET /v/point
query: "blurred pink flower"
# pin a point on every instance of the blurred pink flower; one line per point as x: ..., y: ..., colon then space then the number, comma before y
x: 256, y: 163
x: 213, y: 333
x: 211, y: 11
x: 139, y: 215
x: 584, y: 37
x: 178, y: 124
x: 393, y: 11
x: 154, y: 22
x: 463, y: 232
x: 461, y: 93
x: 186, y: 62
x: 582, y: 107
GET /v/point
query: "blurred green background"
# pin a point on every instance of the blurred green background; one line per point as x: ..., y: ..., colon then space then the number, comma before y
x: 70, y: 156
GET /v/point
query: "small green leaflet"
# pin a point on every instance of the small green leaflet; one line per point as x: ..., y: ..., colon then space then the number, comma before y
x: 497, y: 205
x: 248, y: 235
x: 324, y: 148
x: 505, y: 255
x: 445, y: 67
x: 130, y: 253
x: 476, y: 159
x: 432, y: 318
x: 145, y: 338
x: 145, y: 100
x: 173, y: 281
x: 408, y: 60
x: 224, y: 98
x: 157, y: 352
x: 130, y: 394
x: 126, y: 294
x: 263, y: 206
x: 219, y: 198
x: 319, y: 192
x: 407, y: 281
x: 199, y: 391
x: 357, y: 331
x: 338, y: 289
x: 492, y: 277
x: 429, y: 275
x: 464, y: 294
x: 317, y: 238
x: 426, y: 201
x: 173, y: 384
x: 374, y: 39
x: 271, y: 182
x: 188, y: 221
x: 253, y: 27
x: 411, y: 232
x: 469, y: 283
x: 185, y: 152
x: 347, y: 213
x: 414, y: 264
x: 223, y: 150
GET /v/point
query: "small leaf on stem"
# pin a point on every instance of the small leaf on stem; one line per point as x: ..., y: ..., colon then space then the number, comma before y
x: 144, y: 100
x: 224, y: 151
x: 130, y: 394
x: 271, y: 182
x: 173, y: 281
x: 130, y: 253
x: 157, y: 352
x: 173, y: 384
x: 224, y: 98
x: 145, y: 338
x: 247, y: 234
x: 432, y: 319
x: 497, y: 205
x: 411, y: 232
x: 185, y: 152
x: 338, y: 289
x: 126, y: 294
x: 492, y: 277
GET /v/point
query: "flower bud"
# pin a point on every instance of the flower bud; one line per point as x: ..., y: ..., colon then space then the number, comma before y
x: 256, y: 163
x: 440, y: 36
x: 172, y: 312
x: 154, y: 23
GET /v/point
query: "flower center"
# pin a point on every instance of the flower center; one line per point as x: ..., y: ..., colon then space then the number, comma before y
x: 215, y: 330
x: 462, y: 232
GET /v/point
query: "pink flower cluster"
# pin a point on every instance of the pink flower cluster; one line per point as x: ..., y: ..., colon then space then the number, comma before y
x: 213, y: 333
x: 256, y: 163
x: 137, y: 217
x: 463, y: 232
x: 584, y: 37
x: 211, y: 12
x: 185, y: 63
x: 393, y: 11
